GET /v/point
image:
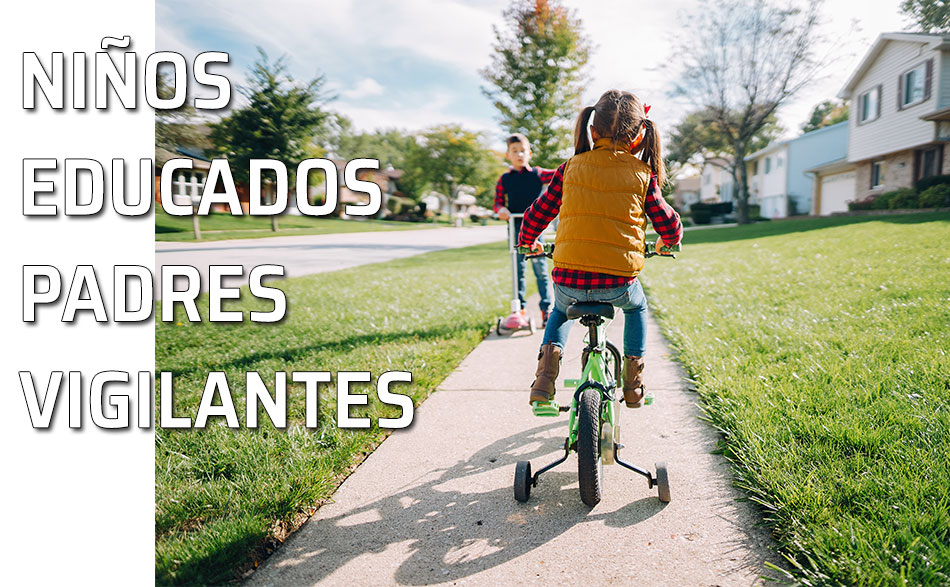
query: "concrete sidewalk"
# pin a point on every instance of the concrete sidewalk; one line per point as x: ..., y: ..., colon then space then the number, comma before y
x: 434, y: 504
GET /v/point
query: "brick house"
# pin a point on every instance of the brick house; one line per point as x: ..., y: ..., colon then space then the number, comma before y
x: 900, y: 112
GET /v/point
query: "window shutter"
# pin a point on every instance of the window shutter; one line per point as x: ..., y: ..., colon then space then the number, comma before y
x: 929, y: 79
x: 880, y: 100
x: 900, y: 92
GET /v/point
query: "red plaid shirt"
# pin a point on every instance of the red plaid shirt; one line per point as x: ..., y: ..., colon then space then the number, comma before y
x: 665, y: 221
x: 501, y: 199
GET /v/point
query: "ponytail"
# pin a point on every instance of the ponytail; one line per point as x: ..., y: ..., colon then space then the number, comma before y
x: 581, y: 139
x: 651, y: 154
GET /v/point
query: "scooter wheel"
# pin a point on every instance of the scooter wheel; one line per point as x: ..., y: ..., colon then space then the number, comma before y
x: 498, y: 327
x: 662, y: 482
x: 523, y: 481
x: 531, y: 325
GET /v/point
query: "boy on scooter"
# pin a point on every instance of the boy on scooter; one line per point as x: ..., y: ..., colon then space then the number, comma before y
x: 517, y: 189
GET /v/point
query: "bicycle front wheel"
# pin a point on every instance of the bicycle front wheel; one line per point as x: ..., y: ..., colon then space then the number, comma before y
x: 589, y: 469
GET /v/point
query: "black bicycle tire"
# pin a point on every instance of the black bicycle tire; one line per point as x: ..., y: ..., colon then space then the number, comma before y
x: 523, y: 481
x: 588, y: 447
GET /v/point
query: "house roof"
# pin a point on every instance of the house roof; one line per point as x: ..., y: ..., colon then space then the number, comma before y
x: 835, y: 166
x: 776, y: 144
x: 932, y: 41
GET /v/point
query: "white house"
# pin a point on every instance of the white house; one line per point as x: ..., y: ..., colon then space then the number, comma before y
x: 687, y: 191
x: 716, y: 184
x: 781, y: 174
x: 900, y: 112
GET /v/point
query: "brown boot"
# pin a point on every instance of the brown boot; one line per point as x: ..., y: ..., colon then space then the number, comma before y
x: 633, y: 389
x: 549, y: 363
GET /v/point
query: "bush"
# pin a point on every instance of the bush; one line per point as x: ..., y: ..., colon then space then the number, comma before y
x: 937, y: 196
x: 929, y: 182
x: 701, y: 216
x: 903, y: 198
x: 864, y: 204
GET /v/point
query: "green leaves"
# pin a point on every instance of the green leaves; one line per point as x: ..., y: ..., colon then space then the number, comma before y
x: 279, y: 121
x: 536, y: 75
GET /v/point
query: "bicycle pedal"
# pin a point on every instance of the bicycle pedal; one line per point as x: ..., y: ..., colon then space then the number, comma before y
x: 546, y: 410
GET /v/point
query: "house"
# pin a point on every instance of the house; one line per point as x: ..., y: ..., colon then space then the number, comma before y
x: 781, y: 175
x: 900, y: 112
x: 384, y: 178
x: 717, y: 184
x: 687, y: 191
x: 187, y: 184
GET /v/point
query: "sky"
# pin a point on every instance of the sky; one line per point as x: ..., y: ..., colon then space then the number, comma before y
x: 414, y: 64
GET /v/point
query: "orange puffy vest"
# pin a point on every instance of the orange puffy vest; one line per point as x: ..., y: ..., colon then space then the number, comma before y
x: 602, y: 218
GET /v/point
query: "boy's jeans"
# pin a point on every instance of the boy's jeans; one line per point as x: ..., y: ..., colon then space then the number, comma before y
x: 628, y: 298
x: 540, y: 266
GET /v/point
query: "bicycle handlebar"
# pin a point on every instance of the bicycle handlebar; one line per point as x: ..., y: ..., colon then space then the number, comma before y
x: 649, y: 250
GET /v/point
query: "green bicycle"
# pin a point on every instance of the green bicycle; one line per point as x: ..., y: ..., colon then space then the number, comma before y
x: 593, y: 420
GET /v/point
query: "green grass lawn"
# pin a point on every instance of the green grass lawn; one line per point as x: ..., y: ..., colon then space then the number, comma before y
x: 222, y: 226
x: 221, y: 495
x: 820, y: 349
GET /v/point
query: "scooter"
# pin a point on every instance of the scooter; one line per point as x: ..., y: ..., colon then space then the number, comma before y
x: 518, y: 319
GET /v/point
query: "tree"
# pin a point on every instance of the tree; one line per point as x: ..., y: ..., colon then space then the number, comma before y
x: 699, y: 140
x: 827, y: 113
x: 741, y: 60
x: 536, y: 75
x: 173, y: 127
x: 447, y: 156
x: 933, y: 16
x: 278, y: 122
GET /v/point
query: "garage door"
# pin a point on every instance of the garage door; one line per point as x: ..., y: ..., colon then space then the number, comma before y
x: 836, y: 191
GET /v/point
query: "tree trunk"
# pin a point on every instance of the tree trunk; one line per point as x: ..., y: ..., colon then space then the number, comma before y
x: 742, y: 212
x: 194, y: 222
x: 271, y: 198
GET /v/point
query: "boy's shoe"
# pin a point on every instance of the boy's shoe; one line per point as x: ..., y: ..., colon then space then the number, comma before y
x: 549, y: 364
x: 633, y: 388
x: 544, y: 318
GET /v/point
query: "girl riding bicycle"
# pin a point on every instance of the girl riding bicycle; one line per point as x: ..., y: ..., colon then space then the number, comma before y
x: 604, y: 194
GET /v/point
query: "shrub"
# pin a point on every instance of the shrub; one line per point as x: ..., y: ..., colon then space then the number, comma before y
x: 937, y: 196
x: 864, y: 204
x: 701, y: 216
x: 929, y: 182
x: 903, y: 198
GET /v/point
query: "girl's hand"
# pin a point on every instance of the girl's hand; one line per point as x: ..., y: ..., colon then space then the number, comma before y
x: 537, y: 248
x: 504, y: 214
x: 659, y: 248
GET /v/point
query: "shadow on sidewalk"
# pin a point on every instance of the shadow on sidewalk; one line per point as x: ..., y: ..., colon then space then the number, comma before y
x: 441, y: 529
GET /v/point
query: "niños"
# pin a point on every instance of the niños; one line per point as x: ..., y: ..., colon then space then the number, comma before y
x: 517, y: 189
x: 604, y: 195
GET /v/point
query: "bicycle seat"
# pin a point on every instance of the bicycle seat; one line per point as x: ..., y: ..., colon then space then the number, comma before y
x: 579, y: 309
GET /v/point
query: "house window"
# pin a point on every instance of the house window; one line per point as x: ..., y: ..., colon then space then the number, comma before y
x: 877, y: 174
x: 755, y: 167
x: 870, y: 105
x: 768, y: 165
x: 928, y: 162
x: 913, y: 83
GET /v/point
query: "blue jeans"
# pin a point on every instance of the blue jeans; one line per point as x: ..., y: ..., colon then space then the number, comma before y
x: 540, y: 266
x: 628, y: 298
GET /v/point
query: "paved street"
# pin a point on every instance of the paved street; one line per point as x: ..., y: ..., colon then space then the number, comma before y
x: 304, y: 255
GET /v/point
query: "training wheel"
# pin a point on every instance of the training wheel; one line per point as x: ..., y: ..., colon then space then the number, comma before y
x: 662, y: 482
x: 523, y: 481
x: 607, y: 443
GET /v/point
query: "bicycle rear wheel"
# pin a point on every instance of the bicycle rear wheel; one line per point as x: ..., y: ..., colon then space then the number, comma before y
x: 589, y: 469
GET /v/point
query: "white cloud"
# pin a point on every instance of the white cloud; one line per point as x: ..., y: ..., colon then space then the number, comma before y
x: 364, y: 88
